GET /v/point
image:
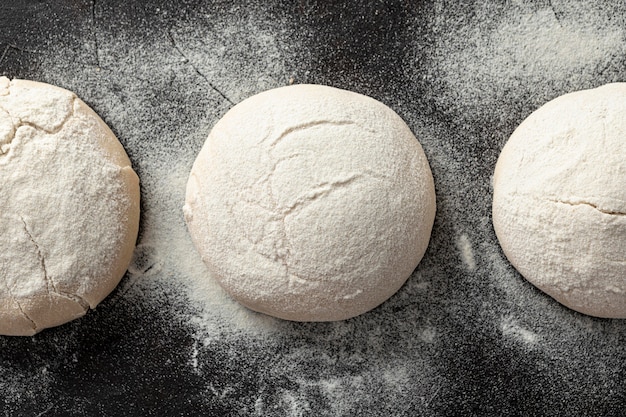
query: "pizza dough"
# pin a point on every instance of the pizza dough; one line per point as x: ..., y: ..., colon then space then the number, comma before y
x: 310, y: 203
x: 559, y: 204
x: 70, y: 207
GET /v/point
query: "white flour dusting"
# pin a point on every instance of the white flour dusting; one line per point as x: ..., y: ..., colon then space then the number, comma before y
x: 527, y: 51
x: 256, y: 64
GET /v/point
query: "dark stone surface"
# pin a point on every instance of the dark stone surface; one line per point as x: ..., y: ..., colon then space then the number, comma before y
x: 457, y: 339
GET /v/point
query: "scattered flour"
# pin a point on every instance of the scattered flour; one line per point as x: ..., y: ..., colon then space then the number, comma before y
x: 255, y: 64
x: 467, y: 254
x: 511, y: 329
x: 524, y: 51
x: 347, y: 394
x: 12, y: 385
x: 428, y: 334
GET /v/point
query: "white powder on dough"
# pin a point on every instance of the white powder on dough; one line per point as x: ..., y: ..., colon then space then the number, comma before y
x: 311, y: 203
x: 559, y: 205
x: 70, y: 207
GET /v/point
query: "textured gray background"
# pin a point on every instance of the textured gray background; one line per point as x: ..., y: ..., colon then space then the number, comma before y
x: 466, y: 335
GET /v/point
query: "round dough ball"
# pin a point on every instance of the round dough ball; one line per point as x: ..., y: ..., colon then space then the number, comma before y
x: 311, y: 203
x: 70, y: 207
x: 559, y: 204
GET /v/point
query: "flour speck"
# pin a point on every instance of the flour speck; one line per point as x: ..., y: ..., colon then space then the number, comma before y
x: 511, y: 329
x: 467, y: 254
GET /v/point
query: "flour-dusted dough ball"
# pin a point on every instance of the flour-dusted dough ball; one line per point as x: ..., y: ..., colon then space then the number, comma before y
x: 311, y: 203
x: 70, y: 207
x: 559, y: 205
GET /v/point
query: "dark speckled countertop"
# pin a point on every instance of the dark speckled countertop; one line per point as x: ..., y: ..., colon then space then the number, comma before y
x: 466, y: 335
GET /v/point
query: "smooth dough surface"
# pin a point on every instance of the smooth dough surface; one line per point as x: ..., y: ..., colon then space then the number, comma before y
x: 559, y: 205
x: 311, y: 203
x: 70, y: 207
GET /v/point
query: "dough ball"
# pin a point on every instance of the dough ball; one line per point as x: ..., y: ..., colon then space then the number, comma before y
x: 70, y: 207
x: 311, y: 203
x: 559, y: 204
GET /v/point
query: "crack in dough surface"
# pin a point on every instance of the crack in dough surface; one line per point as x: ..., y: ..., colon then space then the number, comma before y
x: 583, y: 202
x: 42, y: 259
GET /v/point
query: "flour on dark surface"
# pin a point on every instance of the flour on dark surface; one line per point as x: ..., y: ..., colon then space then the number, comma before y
x: 466, y: 335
